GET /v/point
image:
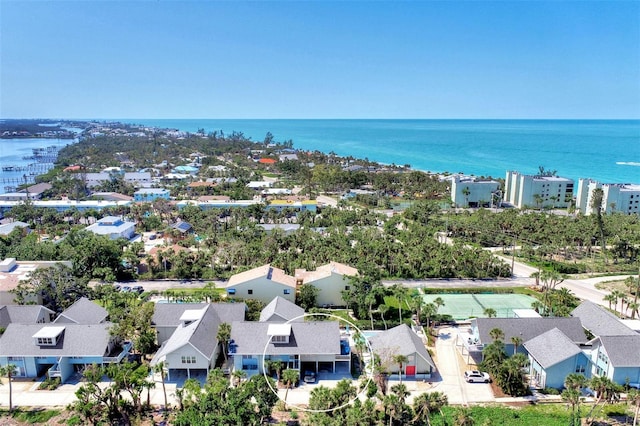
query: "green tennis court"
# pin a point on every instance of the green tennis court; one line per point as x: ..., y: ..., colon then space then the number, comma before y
x: 463, y: 306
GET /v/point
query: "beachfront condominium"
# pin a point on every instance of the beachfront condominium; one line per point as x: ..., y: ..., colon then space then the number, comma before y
x: 472, y: 192
x: 616, y: 197
x: 537, y: 191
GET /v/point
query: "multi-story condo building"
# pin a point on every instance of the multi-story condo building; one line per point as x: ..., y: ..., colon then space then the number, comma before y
x: 616, y: 197
x: 473, y: 192
x: 537, y: 190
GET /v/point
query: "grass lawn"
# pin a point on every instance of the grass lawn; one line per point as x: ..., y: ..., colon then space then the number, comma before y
x: 547, y: 415
x: 36, y: 416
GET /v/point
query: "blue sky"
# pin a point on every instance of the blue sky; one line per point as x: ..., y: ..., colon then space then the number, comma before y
x: 402, y: 59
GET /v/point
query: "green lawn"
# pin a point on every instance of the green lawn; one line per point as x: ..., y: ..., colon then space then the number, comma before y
x: 36, y: 416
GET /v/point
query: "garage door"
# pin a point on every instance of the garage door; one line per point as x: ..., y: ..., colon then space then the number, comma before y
x: 411, y: 370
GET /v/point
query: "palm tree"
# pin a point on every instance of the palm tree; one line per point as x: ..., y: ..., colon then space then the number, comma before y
x: 496, y: 334
x: 517, y: 341
x: 605, y: 389
x: 401, y: 391
x: 8, y: 371
x: 401, y: 360
x: 634, y: 307
x: 223, y: 336
x: 466, y: 192
x: 611, y: 298
x: 574, y: 383
x: 160, y: 369
x: 383, y: 310
x: 463, y: 417
x: 289, y: 379
x: 633, y: 398
x: 427, y: 403
x: 490, y: 312
x: 399, y: 293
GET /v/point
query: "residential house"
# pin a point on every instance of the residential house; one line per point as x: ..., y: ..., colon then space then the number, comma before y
x: 553, y: 356
x: 58, y: 350
x: 187, y: 334
x: 600, y: 322
x: 7, y: 228
x: 402, y: 340
x: 281, y: 310
x: 615, y: 349
x: 83, y: 311
x: 62, y: 206
x: 523, y: 330
x: 262, y: 283
x: 113, y: 227
x: 618, y: 358
x: 111, y: 196
x: 13, y: 272
x: 330, y: 280
x: 303, y: 346
x: 25, y: 314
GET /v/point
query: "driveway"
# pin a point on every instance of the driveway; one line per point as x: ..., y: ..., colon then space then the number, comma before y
x: 451, y: 368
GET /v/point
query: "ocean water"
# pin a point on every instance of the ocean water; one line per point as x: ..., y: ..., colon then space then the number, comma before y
x: 12, y: 152
x: 605, y: 150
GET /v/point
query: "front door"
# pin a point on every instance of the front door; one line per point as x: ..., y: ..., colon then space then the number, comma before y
x: 411, y: 370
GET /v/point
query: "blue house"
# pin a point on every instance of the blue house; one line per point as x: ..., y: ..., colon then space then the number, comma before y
x: 78, y: 338
x: 618, y: 358
x: 553, y: 356
x: 151, y: 194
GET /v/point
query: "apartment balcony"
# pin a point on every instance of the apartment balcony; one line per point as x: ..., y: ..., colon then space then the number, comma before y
x: 118, y: 353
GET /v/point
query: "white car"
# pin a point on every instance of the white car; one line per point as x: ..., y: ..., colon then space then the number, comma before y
x: 475, y: 376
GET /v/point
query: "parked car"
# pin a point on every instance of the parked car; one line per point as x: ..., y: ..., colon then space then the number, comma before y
x: 475, y: 376
x: 137, y: 289
x: 125, y: 289
x: 309, y: 377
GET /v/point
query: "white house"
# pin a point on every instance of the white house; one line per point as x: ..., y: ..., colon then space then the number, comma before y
x: 113, y: 227
x: 537, y: 190
x: 330, y: 279
x: 262, y: 283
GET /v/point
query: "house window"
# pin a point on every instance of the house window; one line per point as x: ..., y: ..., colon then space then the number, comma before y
x: 346, y: 287
x: 286, y: 291
x: 249, y: 291
x: 188, y: 359
x: 231, y: 291
x: 280, y: 339
x: 15, y: 358
x: 45, y: 341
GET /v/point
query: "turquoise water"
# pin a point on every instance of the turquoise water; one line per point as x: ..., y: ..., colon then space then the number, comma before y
x: 605, y: 150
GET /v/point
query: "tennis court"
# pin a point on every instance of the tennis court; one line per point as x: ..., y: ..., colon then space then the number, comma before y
x: 463, y: 306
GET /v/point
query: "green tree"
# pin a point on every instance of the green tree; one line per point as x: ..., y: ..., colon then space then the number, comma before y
x: 223, y: 336
x: 425, y: 404
x: 160, y: 368
x: 307, y: 296
x: 8, y: 372
x: 606, y: 391
x: 490, y: 312
x: 400, y: 360
x: 289, y: 378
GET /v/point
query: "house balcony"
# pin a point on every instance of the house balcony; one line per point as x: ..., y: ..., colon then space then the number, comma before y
x: 343, y: 357
x: 54, y: 371
x: 118, y: 353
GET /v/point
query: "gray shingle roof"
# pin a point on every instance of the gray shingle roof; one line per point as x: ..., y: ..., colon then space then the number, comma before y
x: 83, y: 311
x: 402, y: 341
x: 599, y: 321
x: 551, y: 348
x: 168, y: 314
x: 283, y: 309
x: 307, y: 338
x: 21, y: 314
x: 623, y: 351
x: 528, y: 328
x: 77, y: 340
x: 201, y: 333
